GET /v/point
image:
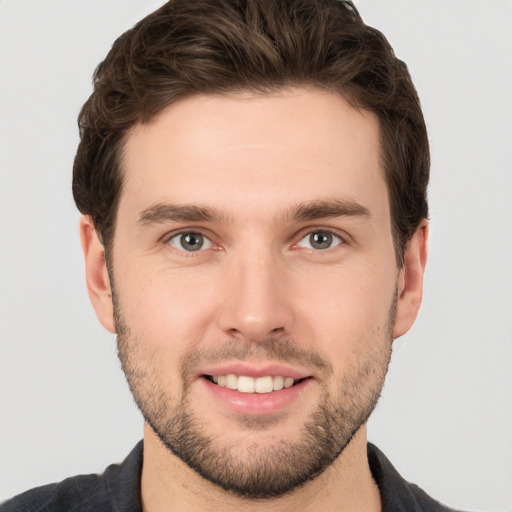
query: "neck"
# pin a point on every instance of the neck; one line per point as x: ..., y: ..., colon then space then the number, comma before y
x: 168, y: 484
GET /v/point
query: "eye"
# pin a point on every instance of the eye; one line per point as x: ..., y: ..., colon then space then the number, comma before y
x: 190, y: 242
x: 320, y: 240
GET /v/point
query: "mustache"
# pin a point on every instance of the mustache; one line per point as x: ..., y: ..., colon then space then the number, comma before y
x: 278, y: 350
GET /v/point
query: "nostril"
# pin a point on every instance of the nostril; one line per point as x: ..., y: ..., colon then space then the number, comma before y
x: 276, y: 334
x: 236, y: 334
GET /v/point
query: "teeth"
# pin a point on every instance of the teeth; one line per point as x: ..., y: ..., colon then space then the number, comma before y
x: 264, y: 385
x: 245, y: 384
x: 288, y: 382
x: 231, y: 381
x: 278, y: 383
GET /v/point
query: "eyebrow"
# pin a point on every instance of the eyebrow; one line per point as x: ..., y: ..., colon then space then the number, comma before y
x: 323, y: 209
x: 311, y: 210
x: 165, y: 212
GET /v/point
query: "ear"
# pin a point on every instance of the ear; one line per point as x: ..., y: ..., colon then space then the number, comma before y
x: 410, y: 282
x: 96, y: 274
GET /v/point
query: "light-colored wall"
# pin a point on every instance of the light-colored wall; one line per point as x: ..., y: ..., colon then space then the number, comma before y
x: 445, y: 419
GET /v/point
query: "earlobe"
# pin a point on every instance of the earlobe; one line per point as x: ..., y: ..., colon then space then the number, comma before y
x: 410, y: 283
x: 97, y: 278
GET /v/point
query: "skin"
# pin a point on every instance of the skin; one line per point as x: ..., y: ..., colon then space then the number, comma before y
x: 253, y: 160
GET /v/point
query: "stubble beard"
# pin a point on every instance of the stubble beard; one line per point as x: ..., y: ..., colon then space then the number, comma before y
x: 260, y: 470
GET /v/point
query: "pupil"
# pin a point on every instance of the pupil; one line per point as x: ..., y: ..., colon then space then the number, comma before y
x: 192, y: 241
x: 321, y: 240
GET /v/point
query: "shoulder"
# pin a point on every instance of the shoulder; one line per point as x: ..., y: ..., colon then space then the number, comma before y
x: 115, y: 489
x: 80, y: 493
x: 396, y: 493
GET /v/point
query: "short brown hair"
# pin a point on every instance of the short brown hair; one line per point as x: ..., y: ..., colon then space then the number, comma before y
x: 195, y: 47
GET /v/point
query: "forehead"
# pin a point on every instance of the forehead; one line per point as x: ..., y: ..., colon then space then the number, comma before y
x: 255, y: 152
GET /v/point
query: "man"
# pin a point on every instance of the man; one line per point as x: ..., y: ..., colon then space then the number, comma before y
x: 252, y: 177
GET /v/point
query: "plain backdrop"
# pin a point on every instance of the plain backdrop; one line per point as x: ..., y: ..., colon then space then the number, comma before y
x: 445, y: 418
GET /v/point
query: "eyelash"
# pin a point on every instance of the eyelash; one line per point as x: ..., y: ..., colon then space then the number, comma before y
x: 341, y: 237
x: 168, y: 238
x: 333, y: 233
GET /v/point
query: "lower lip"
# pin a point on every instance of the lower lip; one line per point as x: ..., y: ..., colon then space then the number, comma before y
x: 256, y: 404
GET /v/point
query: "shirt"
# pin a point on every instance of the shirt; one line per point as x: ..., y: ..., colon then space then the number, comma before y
x: 118, y: 490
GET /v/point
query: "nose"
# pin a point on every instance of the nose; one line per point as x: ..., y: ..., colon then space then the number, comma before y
x: 258, y: 303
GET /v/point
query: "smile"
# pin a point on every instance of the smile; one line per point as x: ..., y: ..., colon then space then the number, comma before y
x: 246, y: 384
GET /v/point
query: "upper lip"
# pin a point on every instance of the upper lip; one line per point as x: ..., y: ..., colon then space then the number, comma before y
x: 255, y: 370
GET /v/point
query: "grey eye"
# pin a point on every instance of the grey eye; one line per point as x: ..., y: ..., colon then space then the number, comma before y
x: 190, y: 242
x: 320, y: 240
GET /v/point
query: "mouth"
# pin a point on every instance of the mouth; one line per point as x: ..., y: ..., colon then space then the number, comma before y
x: 246, y: 384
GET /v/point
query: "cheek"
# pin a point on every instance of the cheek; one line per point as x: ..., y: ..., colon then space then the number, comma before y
x: 349, y: 313
x: 168, y: 311
x: 166, y: 321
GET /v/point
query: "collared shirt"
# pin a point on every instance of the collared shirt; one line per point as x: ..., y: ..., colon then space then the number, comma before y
x: 118, y: 490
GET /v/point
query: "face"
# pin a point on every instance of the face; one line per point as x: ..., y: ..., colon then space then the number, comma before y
x: 255, y: 283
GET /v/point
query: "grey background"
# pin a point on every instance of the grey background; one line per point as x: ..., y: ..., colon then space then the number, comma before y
x: 445, y: 419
